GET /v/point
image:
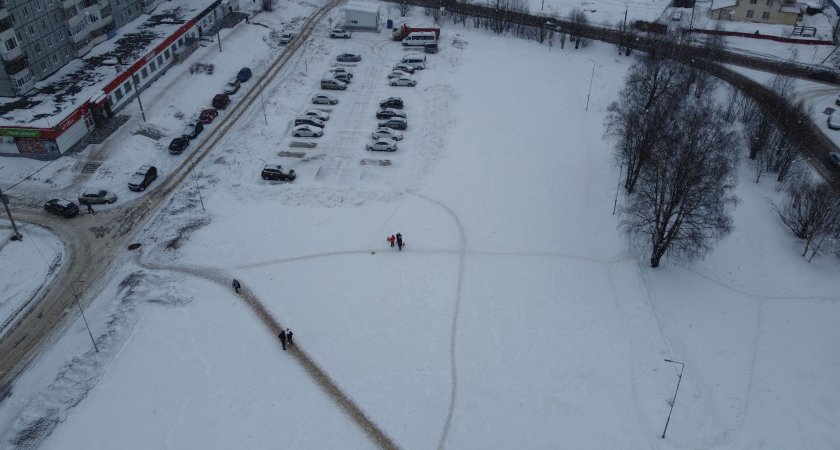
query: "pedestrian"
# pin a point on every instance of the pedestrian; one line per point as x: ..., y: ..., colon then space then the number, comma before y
x: 282, y: 337
x: 289, y: 335
x: 391, y: 240
x: 236, y: 285
x: 90, y: 208
x: 399, y: 241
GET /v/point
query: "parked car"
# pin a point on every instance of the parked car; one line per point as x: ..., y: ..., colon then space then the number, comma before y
x: 387, y: 113
x: 835, y: 158
x: 193, y: 130
x: 96, y: 196
x: 285, y: 38
x: 341, y: 70
x: 208, y: 115
x: 834, y: 120
x: 430, y: 48
x: 837, y: 100
x: 386, y: 133
x: 382, y: 145
x: 317, y: 113
x: 332, y: 83
x: 348, y: 57
x: 324, y: 99
x: 403, y: 81
x: 142, y: 178
x: 275, y: 172
x: 396, y: 123
x: 404, y: 68
x: 232, y: 86
x: 244, y: 74
x: 62, y: 207
x: 338, y: 33
x: 342, y: 76
x: 221, y: 101
x: 177, y: 146
x: 307, y: 131
x: 391, y: 102
x: 396, y: 74
x: 309, y: 120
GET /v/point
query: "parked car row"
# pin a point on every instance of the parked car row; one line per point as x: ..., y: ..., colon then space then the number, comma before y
x: 391, y: 117
x: 400, y: 75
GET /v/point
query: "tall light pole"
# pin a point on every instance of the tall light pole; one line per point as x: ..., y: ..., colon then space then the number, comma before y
x: 679, y: 379
x: 5, y: 199
x: 76, y: 297
x: 590, y: 83
x: 137, y: 93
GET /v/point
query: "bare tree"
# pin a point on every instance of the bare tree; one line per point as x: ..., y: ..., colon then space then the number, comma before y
x: 812, y: 212
x: 682, y: 201
x: 578, y: 22
x: 403, y: 7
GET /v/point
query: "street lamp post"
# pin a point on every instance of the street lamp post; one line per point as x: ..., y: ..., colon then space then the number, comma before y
x: 590, y: 83
x: 679, y: 380
x: 5, y: 199
x: 76, y: 297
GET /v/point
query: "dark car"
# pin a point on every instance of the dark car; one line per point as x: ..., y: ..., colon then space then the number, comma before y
x: 388, y: 113
x: 208, y: 115
x: 142, y: 178
x: 394, y: 123
x: 823, y: 75
x: 309, y: 120
x: 391, y: 102
x: 177, y: 146
x: 276, y: 172
x: 244, y: 74
x: 62, y: 207
x: 348, y: 57
x: 193, y: 130
x: 220, y: 101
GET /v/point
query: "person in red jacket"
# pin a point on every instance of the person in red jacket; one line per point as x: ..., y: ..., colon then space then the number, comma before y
x: 391, y: 240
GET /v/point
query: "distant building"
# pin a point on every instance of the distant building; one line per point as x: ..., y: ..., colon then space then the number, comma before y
x: 360, y: 15
x: 785, y: 12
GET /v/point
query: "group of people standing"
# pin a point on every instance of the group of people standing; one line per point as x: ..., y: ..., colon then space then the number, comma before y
x: 398, y: 239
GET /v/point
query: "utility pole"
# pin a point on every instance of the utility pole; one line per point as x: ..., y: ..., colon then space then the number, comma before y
x: 5, y: 199
x: 682, y: 367
x: 219, y: 37
x: 590, y: 83
x: 76, y: 296
x: 137, y: 93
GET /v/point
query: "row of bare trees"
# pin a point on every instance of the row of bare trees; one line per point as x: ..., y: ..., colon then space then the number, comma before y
x: 679, y: 156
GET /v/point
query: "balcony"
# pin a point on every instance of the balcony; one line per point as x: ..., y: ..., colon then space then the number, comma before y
x: 17, y: 65
x: 4, y: 13
x: 93, y: 27
x: 22, y: 81
x: 13, y: 54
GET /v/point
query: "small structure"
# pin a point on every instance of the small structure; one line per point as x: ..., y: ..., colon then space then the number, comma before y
x: 360, y: 15
x: 785, y: 12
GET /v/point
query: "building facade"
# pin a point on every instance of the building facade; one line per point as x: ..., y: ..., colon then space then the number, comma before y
x: 39, y: 37
x: 785, y: 12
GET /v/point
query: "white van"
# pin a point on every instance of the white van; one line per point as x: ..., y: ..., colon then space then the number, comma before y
x: 419, y: 38
x: 416, y: 60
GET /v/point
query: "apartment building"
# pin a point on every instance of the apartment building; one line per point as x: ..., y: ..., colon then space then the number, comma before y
x: 38, y: 37
x: 785, y: 12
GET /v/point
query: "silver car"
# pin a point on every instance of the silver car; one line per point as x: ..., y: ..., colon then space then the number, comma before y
x: 324, y: 99
x: 307, y: 131
x: 382, y: 145
x: 386, y: 133
x: 317, y: 113
x: 835, y: 158
x: 95, y: 196
x: 403, y: 81
x: 834, y: 120
x: 232, y: 86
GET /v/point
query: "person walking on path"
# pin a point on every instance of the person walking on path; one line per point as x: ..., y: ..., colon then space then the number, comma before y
x: 391, y: 240
x: 282, y: 337
x: 289, y: 335
x: 399, y: 241
x: 236, y: 285
x: 90, y: 208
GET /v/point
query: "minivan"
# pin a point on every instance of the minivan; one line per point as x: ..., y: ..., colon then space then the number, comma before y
x: 419, y: 38
x: 332, y: 83
x: 418, y: 61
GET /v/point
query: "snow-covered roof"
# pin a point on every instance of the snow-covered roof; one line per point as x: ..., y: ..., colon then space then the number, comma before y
x: 718, y: 4
x: 790, y: 9
x: 360, y: 6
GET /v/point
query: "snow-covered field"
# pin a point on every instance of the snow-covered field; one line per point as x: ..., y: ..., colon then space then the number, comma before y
x: 516, y: 317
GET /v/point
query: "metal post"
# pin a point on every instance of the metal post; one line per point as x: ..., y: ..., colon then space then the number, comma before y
x: 5, y: 199
x: 618, y: 186
x: 262, y: 99
x: 195, y: 178
x: 137, y: 93
x: 76, y: 296
x: 590, y: 83
x: 679, y: 380
x: 219, y: 37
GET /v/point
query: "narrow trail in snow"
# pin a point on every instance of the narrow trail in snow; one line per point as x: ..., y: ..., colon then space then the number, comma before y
x: 273, y: 325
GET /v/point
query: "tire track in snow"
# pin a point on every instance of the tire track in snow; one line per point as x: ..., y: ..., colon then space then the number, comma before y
x: 321, y: 378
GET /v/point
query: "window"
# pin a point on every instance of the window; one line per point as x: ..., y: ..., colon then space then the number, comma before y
x: 55, y: 58
x: 750, y: 13
x: 49, y: 41
x: 153, y: 66
x: 43, y: 65
x: 37, y: 6
x: 118, y: 94
x: 11, y: 44
x: 753, y: 2
x: 37, y: 48
x: 145, y: 72
x: 765, y: 15
x: 127, y: 87
x: 172, y: 48
x: 160, y: 60
x: 31, y: 30
x: 25, y: 11
x: 166, y: 53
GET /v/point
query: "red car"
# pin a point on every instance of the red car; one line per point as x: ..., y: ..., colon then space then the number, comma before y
x: 208, y: 115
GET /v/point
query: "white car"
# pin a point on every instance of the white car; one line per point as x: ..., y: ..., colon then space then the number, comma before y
x: 285, y: 38
x: 336, y: 70
x: 382, y: 145
x: 396, y: 74
x: 403, y: 81
x: 232, y: 86
x: 339, y: 33
x: 97, y: 196
x: 835, y: 158
x: 307, y: 131
x: 834, y: 120
x: 324, y: 99
x: 317, y: 113
x: 386, y: 133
